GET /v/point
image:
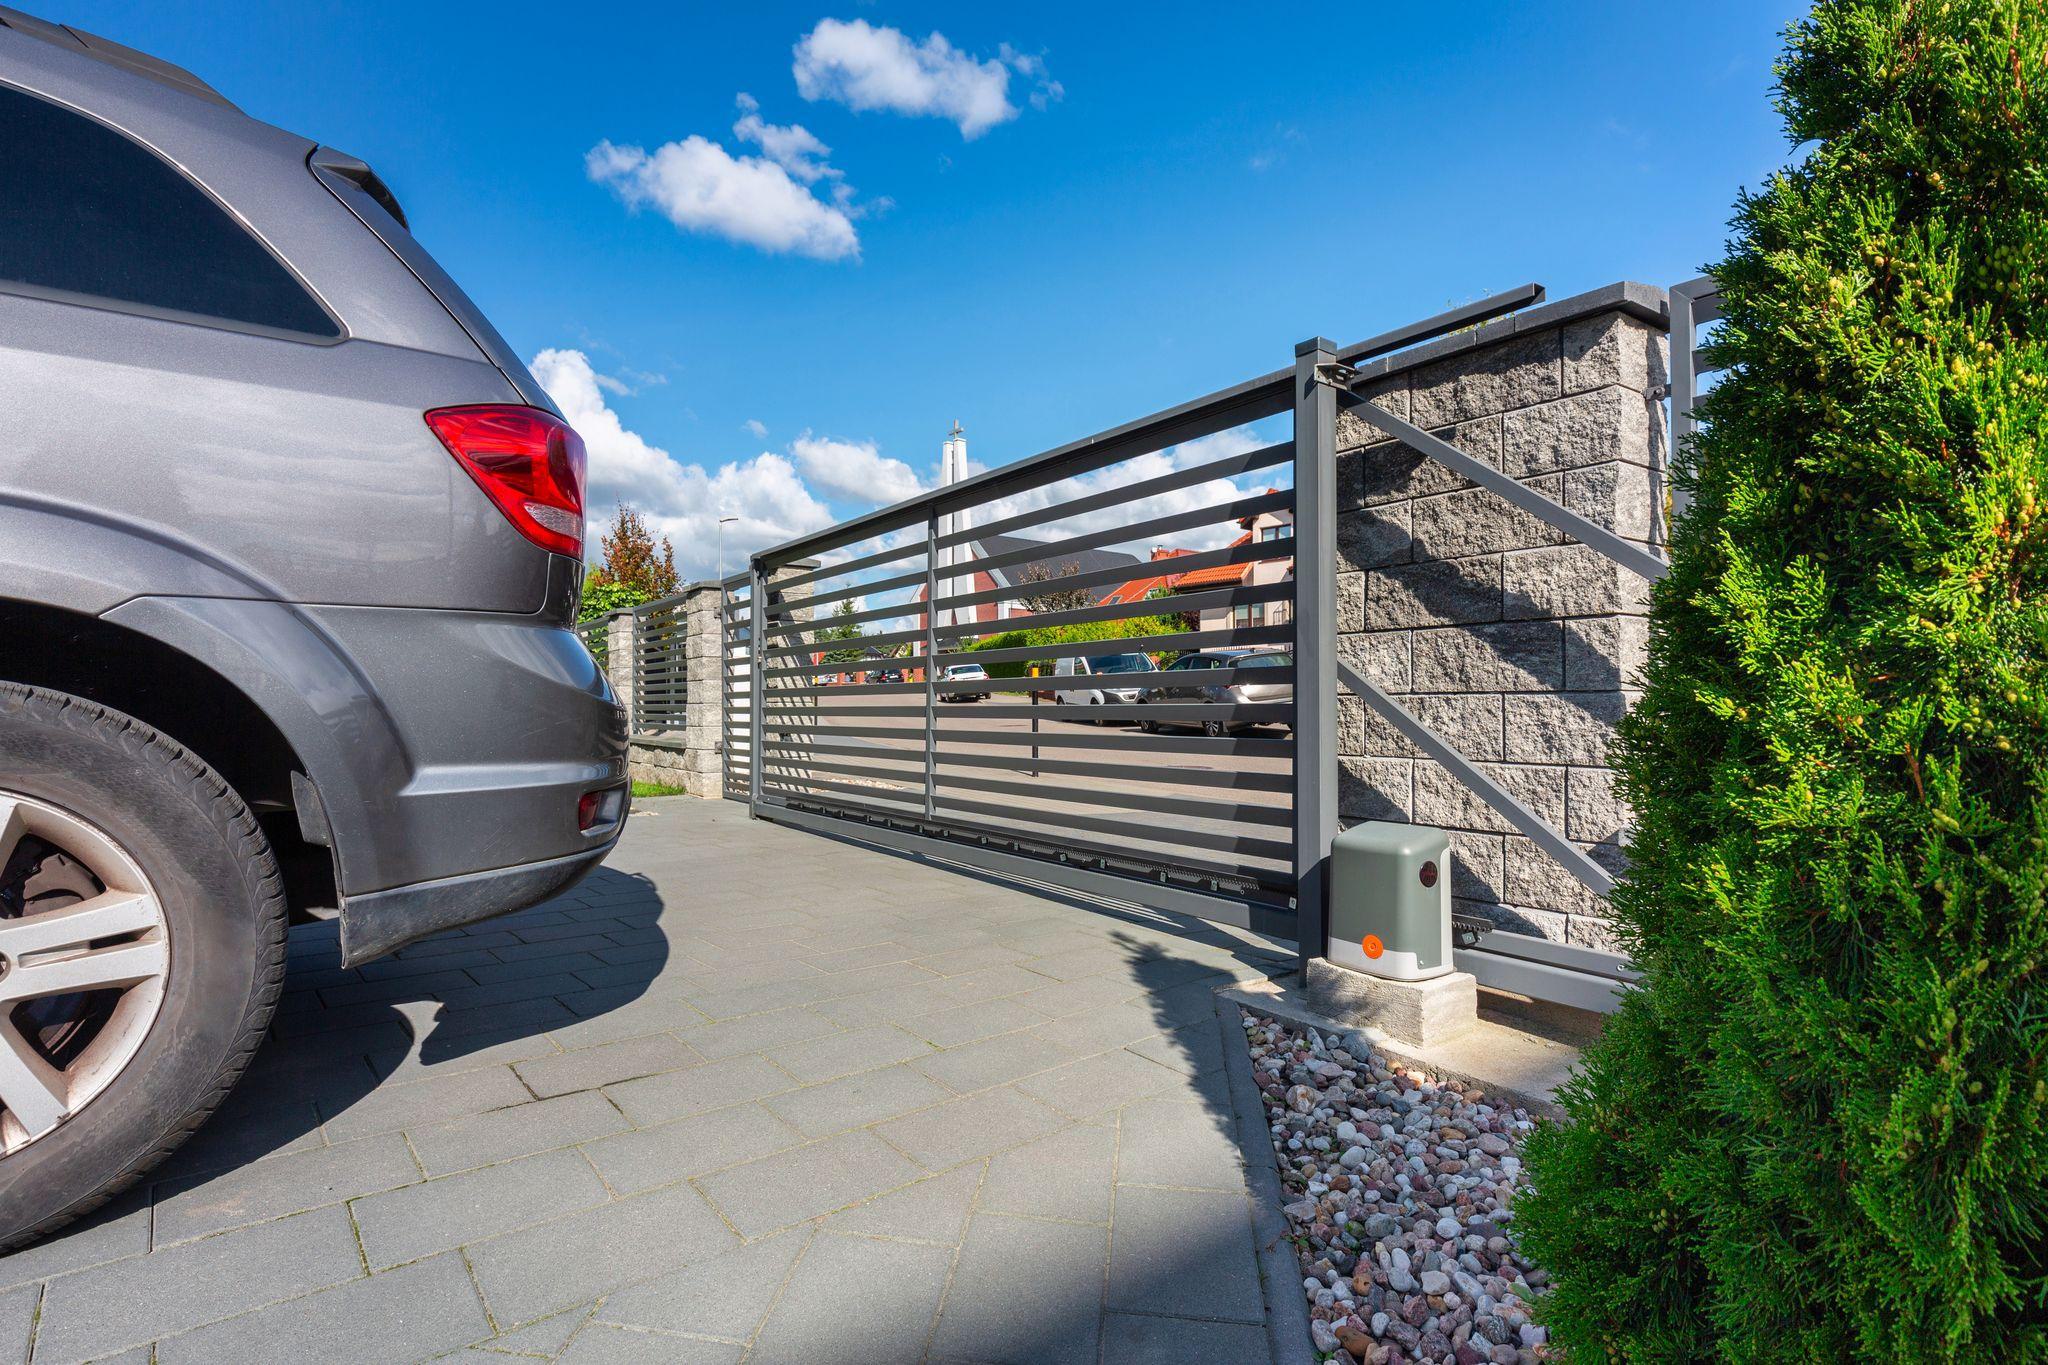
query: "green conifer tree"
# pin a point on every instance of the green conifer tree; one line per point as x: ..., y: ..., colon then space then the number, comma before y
x: 1820, y: 1130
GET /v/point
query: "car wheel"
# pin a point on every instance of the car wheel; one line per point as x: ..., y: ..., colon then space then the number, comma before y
x: 142, y: 928
x: 1213, y: 729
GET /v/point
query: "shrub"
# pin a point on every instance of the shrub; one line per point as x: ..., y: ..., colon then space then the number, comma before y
x: 1821, y: 1129
x: 602, y: 597
x: 1086, y: 631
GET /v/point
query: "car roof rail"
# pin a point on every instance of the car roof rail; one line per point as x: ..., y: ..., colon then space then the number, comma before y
x: 113, y: 54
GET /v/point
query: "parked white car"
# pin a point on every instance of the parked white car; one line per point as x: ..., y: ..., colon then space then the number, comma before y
x: 1123, y: 678
x: 962, y: 673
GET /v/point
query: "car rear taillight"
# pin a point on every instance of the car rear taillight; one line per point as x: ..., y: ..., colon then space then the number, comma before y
x: 528, y: 461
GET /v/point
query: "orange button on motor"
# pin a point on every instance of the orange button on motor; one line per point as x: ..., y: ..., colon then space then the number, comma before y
x: 1372, y: 945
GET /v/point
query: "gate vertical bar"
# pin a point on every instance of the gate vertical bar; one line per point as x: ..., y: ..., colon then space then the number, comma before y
x: 757, y: 620
x: 1315, y: 644
x: 931, y: 686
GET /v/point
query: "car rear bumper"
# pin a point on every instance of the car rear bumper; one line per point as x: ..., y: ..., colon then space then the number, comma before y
x: 383, y: 921
x: 504, y: 722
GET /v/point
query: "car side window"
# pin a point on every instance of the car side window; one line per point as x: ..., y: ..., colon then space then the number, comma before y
x: 88, y: 214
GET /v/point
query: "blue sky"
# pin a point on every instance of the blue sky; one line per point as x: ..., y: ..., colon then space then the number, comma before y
x: 1052, y: 220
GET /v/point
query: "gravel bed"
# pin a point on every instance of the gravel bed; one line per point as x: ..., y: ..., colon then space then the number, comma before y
x: 1401, y: 1190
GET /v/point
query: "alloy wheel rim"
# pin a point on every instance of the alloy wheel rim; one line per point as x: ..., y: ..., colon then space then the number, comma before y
x: 84, y: 961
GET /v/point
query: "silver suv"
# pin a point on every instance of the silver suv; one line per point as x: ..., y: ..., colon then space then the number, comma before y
x: 290, y: 546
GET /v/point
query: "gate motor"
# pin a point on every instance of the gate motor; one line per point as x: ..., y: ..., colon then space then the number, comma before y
x: 1390, y: 901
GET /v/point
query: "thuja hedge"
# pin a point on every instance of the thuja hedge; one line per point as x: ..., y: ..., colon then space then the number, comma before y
x: 1820, y: 1132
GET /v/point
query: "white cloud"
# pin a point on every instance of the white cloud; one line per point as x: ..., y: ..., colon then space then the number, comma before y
x: 681, y: 501
x: 867, y: 67
x: 855, y: 469
x: 793, y: 147
x: 1048, y: 91
x: 1188, y: 455
x: 754, y: 428
x: 701, y: 187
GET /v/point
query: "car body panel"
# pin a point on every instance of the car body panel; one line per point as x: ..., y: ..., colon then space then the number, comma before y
x: 311, y: 475
x: 420, y: 779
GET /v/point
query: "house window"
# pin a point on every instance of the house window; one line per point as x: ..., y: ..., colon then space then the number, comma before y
x: 1253, y: 614
x: 1277, y: 531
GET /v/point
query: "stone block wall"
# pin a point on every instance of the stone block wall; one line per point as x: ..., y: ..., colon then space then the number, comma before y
x: 1516, y: 645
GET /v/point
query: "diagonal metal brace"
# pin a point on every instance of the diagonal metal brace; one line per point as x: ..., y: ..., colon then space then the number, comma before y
x: 1539, y: 830
x: 1631, y: 557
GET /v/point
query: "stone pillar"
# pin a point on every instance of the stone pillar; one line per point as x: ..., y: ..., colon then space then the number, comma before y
x: 619, y: 643
x: 1516, y: 645
x: 701, y: 775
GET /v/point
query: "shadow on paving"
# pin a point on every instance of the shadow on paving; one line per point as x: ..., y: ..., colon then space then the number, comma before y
x: 485, y: 992
x: 1182, y: 1280
x: 1024, y: 1150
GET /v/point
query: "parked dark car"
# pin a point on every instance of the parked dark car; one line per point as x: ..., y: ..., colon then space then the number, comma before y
x: 290, y: 549
x: 1194, y: 678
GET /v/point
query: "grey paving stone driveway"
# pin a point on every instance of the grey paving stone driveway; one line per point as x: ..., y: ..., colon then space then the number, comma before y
x: 746, y: 1094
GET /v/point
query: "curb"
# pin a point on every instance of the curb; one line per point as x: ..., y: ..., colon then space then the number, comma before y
x: 1287, y: 1336
x: 1360, y: 1041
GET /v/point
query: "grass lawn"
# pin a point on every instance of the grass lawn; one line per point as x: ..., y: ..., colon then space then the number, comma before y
x: 656, y: 789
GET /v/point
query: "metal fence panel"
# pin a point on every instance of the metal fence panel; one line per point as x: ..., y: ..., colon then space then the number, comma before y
x: 735, y: 681
x: 661, y: 666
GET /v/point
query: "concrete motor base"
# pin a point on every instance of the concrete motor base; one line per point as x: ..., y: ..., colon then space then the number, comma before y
x: 1418, y: 1013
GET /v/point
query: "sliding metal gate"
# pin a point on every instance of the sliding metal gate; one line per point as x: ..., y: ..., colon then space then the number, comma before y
x: 1223, y: 801
x: 841, y: 713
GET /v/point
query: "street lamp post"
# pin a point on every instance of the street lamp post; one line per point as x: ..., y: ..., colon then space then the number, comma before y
x: 721, y: 547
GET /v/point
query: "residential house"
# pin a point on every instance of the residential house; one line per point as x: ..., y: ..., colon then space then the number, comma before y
x: 1265, y: 526
x: 1143, y: 587
x: 1029, y: 578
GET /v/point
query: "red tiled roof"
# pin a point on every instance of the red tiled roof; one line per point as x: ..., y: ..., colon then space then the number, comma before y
x: 1138, y: 589
x: 1217, y: 575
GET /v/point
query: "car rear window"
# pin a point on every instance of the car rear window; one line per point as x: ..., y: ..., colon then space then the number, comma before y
x: 88, y: 213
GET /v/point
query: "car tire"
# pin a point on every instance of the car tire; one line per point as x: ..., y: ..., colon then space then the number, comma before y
x: 1213, y: 729
x: 75, y: 771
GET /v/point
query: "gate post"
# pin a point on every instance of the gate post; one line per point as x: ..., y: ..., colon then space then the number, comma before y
x: 1315, y: 645
x: 931, y: 682
x: 622, y: 662
x: 757, y: 638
